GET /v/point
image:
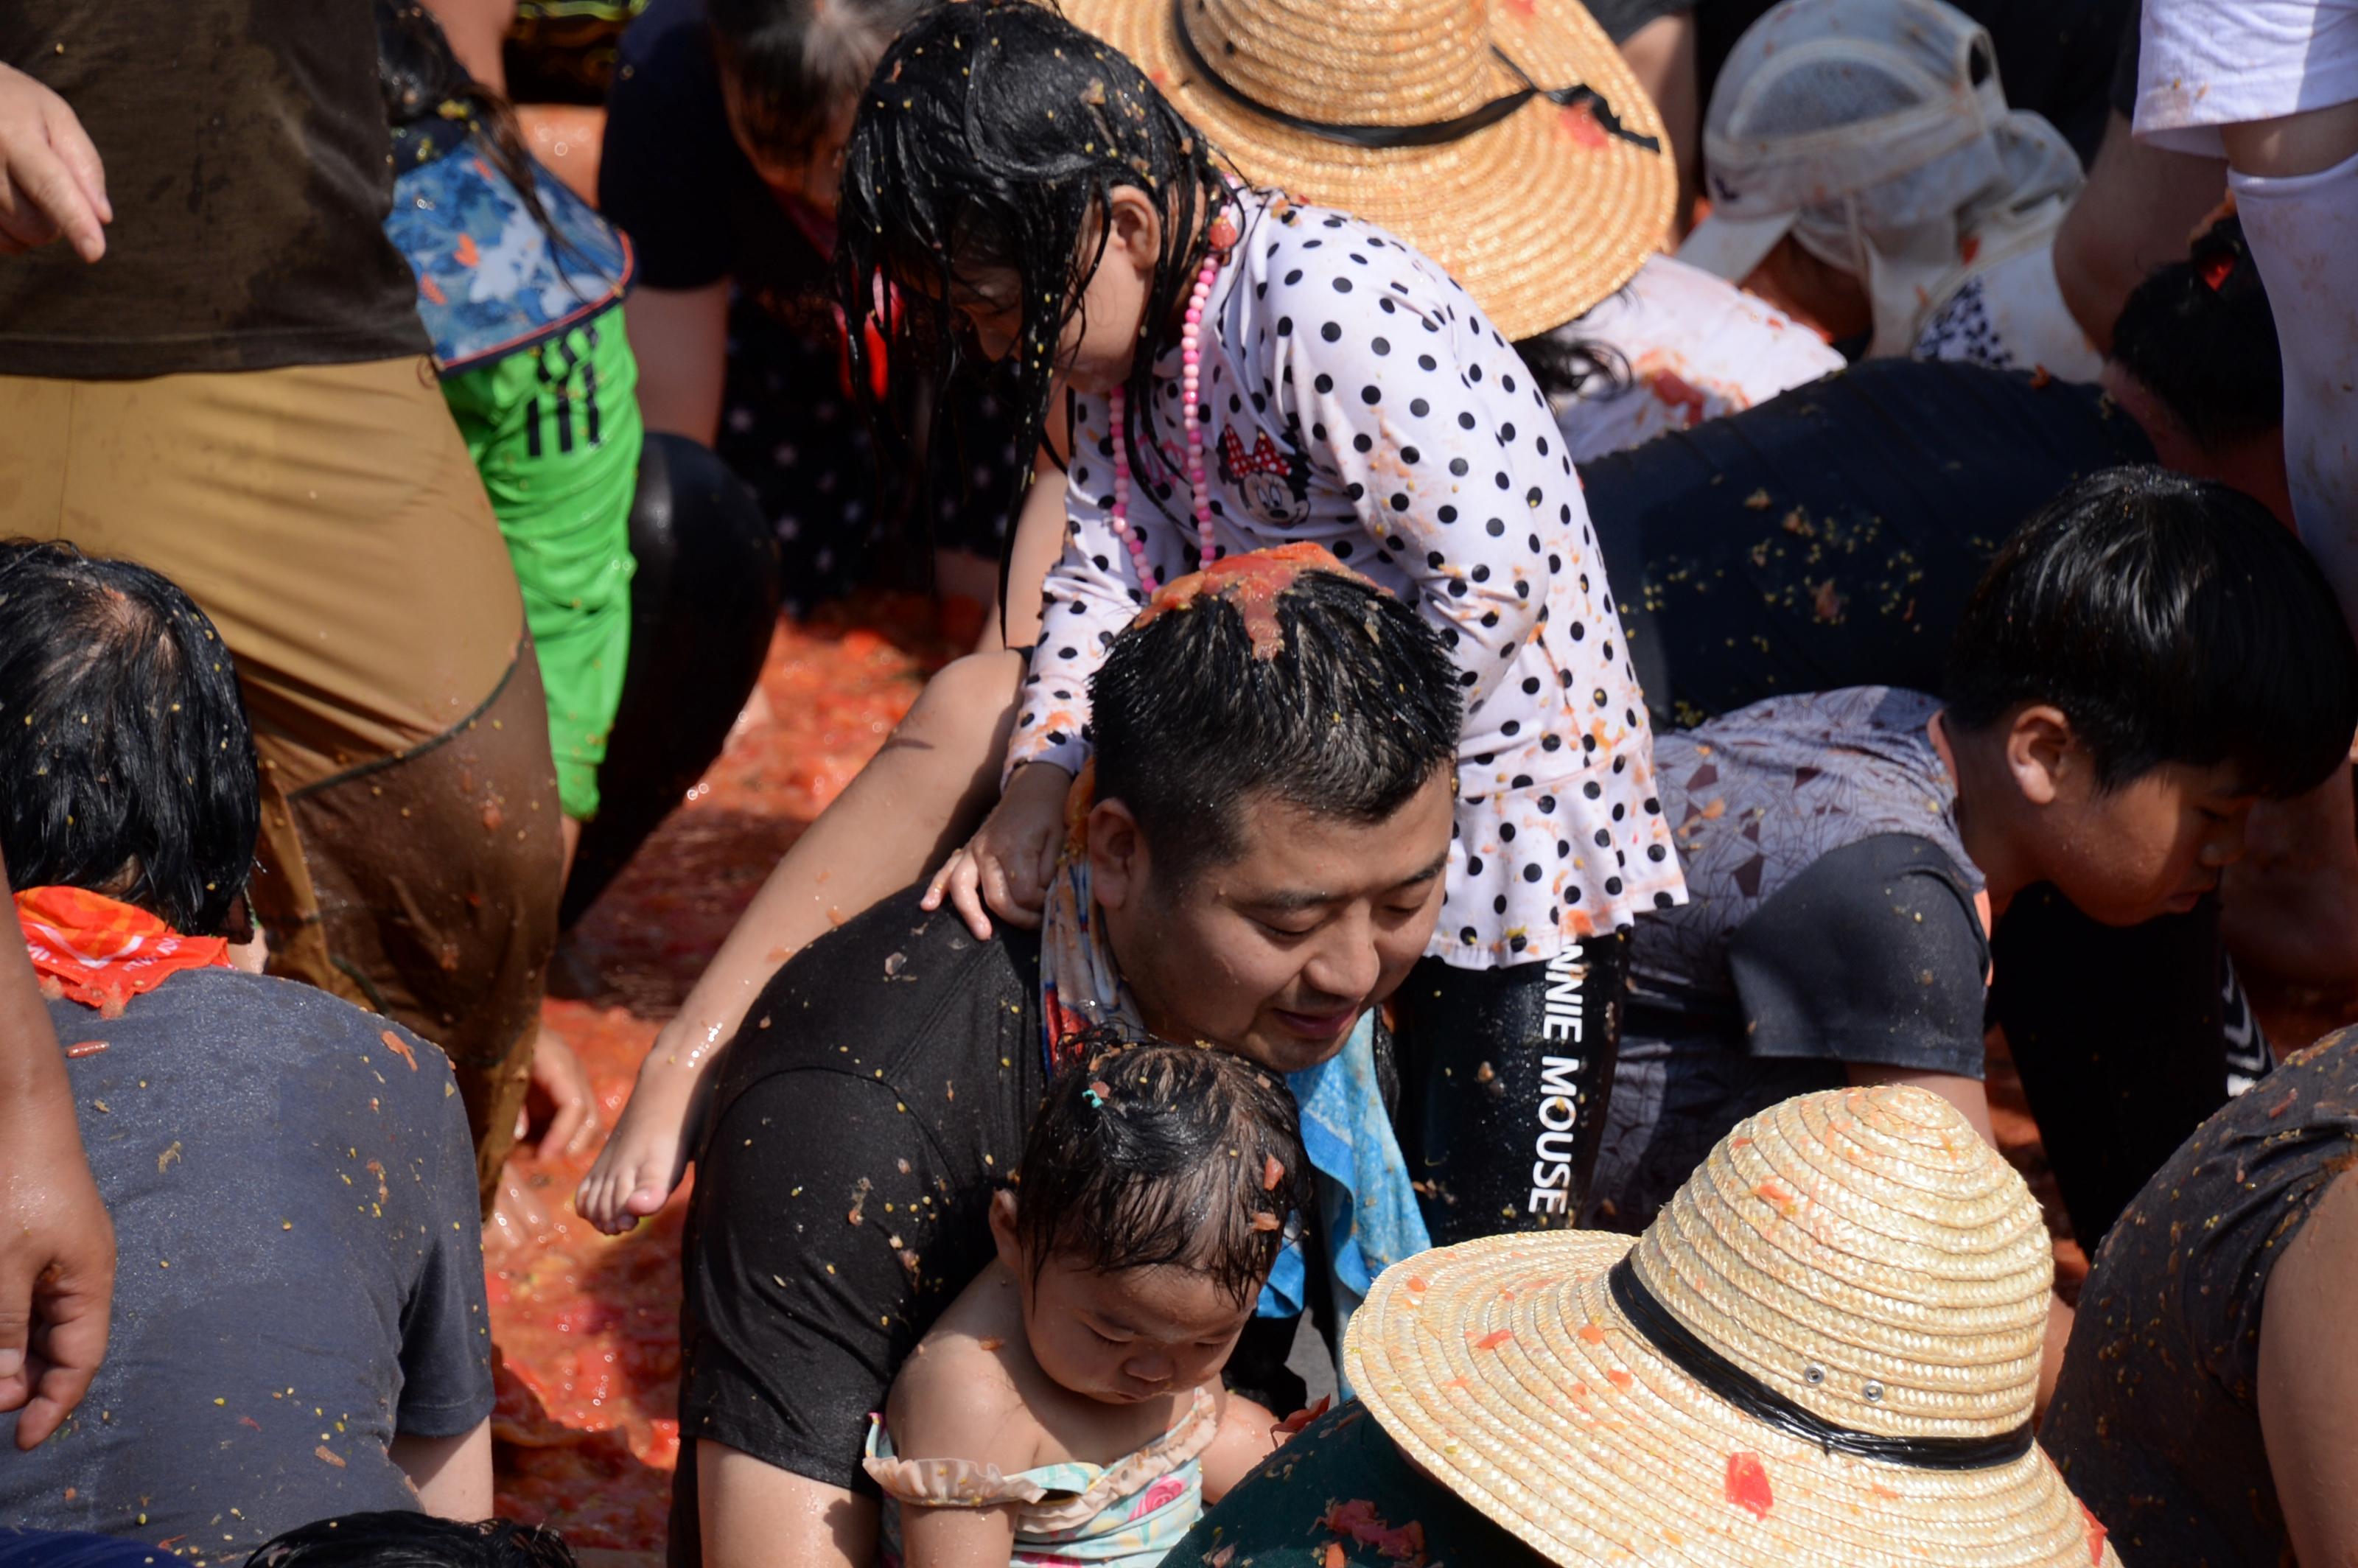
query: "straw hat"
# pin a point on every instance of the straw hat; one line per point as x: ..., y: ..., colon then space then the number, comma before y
x: 1419, y: 115
x: 1823, y: 1352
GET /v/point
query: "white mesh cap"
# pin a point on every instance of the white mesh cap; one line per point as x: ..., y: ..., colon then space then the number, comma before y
x: 1882, y: 110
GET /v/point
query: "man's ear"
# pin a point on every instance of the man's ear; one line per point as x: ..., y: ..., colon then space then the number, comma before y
x: 1002, y: 1230
x: 1118, y: 861
x: 2044, y: 757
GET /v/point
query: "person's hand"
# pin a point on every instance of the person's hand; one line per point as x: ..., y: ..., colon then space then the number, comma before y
x: 52, y: 184
x: 57, y: 1256
x: 562, y: 1093
x: 1012, y: 858
x: 517, y: 1217
x: 642, y: 1164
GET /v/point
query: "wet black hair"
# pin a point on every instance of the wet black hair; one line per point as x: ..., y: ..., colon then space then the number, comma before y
x: 1357, y: 711
x: 1568, y: 365
x: 122, y: 737
x: 407, y: 1539
x: 795, y: 63
x: 2171, y: 620
x: 994, y: 134
x: 1146, y: 1153
x: 2197, y: 334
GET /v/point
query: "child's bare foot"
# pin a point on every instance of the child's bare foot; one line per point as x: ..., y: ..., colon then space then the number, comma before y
x: 643, y: 1162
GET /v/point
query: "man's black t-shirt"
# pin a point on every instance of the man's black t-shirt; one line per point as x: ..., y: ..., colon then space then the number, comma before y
x: 1830, y: 536
x: 245, y: 145
x: 878, y: 1090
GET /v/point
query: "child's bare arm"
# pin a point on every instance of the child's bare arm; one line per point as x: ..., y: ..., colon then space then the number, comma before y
x: 956, y: 1400
x: 920, y: 795
x: 957, y: 1538
x: 1247, y: 1436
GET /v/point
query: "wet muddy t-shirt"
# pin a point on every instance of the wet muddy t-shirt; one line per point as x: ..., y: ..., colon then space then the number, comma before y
x: 879, y: 1089
x: 1831, y: 536
x: 2156, y: 1418
x: 299, y: 1274
x: 1829, y: 920
x: 245, y: 150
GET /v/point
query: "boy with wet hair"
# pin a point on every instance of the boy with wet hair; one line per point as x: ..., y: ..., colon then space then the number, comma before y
x: 2146, y: 659
x: 1833, y: 537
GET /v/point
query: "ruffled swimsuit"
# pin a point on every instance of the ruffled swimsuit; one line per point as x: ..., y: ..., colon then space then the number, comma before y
x: 1123, y: 1515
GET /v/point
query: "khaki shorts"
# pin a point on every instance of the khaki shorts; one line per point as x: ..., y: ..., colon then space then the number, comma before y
x: 329, y: 521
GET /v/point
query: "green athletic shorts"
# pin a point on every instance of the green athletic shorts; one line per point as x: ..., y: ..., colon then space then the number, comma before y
x: 554, y: 430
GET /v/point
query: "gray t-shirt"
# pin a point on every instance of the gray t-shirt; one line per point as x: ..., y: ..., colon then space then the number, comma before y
x: 299, y: 1268
x: 1830, y: 920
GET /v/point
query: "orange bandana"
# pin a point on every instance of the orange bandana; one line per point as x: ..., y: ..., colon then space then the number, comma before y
x: 102, y: 952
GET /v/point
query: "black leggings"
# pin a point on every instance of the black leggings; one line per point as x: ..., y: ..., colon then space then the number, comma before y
x: 703, y: 604
x: 1504, y: 1075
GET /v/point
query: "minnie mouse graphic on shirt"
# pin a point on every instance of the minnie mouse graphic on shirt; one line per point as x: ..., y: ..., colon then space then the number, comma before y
x: 1275, y: 487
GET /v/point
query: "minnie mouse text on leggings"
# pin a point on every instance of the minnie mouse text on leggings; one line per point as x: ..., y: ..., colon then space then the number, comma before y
x: 1559, y: 1107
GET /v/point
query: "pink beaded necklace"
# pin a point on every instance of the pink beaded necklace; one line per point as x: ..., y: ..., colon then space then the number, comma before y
x: 1223, y: 237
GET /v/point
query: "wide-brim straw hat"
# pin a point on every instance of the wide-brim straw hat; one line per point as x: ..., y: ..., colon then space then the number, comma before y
x: 1823, y: 1352
x: 1419, y: 116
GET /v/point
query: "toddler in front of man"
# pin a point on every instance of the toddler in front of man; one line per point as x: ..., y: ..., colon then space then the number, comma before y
x: 1067, y: 1407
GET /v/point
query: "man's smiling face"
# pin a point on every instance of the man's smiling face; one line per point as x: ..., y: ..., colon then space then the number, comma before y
x: 1275, y: 951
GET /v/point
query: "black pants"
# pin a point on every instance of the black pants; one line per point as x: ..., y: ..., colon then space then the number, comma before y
x: 703, y: 605
x: 1505, y: 1074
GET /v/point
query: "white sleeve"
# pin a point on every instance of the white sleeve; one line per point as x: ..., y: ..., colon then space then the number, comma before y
x: 1089, y: 596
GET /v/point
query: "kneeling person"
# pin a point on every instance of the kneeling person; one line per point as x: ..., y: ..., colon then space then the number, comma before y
x: 1259, y: 864
x: 299, y: 1324
x: 2143, y: 660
